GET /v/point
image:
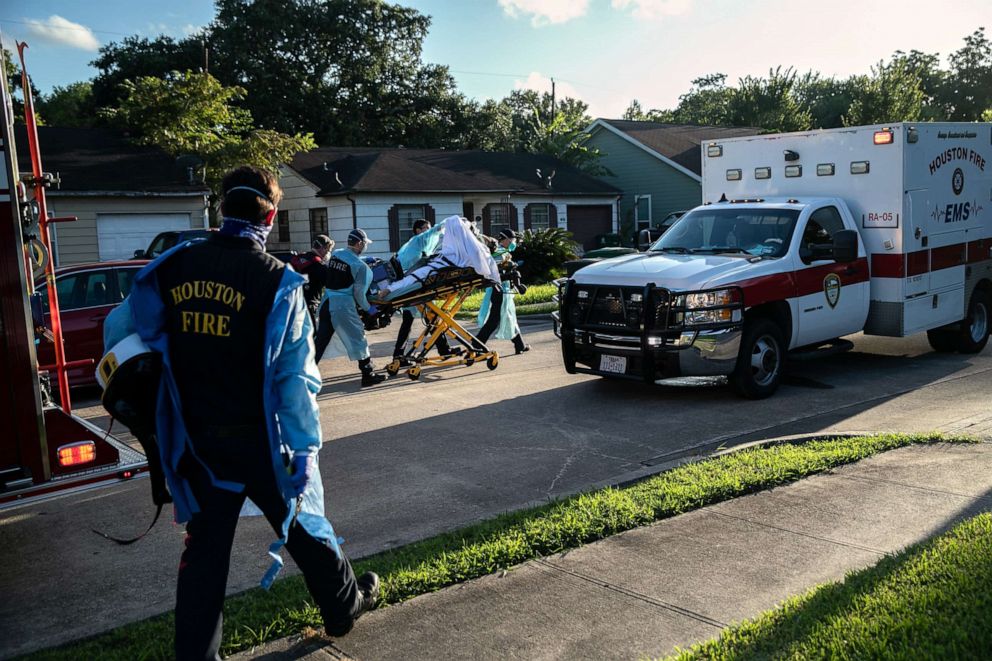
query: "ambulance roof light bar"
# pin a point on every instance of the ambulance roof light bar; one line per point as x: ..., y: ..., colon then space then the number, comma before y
x: 883, y: 137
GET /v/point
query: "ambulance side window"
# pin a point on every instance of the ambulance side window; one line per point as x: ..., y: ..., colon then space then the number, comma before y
x: 819, y: 233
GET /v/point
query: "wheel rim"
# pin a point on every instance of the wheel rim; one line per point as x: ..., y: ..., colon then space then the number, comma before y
x: 764, y: 360
x: 979, y: 323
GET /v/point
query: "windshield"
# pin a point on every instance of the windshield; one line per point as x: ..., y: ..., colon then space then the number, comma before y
x: 760, y: 232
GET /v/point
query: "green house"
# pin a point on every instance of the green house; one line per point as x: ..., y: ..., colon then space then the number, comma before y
x: 657, y: 166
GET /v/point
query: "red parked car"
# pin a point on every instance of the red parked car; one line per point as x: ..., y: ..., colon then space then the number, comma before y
x: 87, y: 293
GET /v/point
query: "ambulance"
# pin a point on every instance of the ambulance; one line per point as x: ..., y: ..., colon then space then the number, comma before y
x: 802, y: 239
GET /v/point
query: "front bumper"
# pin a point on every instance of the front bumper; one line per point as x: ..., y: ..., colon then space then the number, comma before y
x: 649, y: 338
x: 693, y: 353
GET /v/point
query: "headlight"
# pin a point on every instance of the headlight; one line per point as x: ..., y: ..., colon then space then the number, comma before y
x: 710, y: 299
x: 712, y: 316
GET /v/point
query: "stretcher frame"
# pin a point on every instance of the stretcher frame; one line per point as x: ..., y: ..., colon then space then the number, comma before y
x: 441, y: 297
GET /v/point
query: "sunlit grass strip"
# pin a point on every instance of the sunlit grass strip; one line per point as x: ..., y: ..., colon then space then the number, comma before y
x: 931, y: 601
x: 255, y: 617
x: 535, y: 294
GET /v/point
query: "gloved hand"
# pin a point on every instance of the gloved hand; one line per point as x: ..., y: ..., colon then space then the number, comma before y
x: 373, y: 310
x: 301, y: 470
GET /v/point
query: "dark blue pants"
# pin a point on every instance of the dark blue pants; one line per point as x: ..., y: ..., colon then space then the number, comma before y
x: 205, y: 562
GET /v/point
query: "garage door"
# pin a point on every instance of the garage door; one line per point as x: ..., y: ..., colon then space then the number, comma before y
x: 586, y: 222
x: 119, y: 235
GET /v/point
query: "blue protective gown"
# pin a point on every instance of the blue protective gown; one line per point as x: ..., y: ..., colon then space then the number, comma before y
x: 349, y: 331
x: 508, y: 328
x: 422, y: 245
x: 291, y: 384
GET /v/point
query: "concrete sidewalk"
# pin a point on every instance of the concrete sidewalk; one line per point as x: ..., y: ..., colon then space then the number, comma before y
x: 681, y: 580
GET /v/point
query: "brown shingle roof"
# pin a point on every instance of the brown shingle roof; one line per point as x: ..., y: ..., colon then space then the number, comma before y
x: 339, y: 170
x: 678, y: 142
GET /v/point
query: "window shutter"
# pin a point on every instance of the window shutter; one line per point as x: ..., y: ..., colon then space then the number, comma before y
x: 468, y: 211
x: 527, y: 217
x: 429, y: 214
x: 552, y: 216
x: 394, y: 229
x: 514, y: 225
x: 487, y: 227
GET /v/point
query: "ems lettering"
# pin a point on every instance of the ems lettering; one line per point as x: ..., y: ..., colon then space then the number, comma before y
x: 206, y: 323
x: 957, y: 212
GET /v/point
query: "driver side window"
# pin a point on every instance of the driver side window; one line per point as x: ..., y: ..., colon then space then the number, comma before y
x: 820, y: 229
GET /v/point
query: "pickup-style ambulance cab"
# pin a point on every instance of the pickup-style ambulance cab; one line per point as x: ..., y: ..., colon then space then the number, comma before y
x: 803, y: 238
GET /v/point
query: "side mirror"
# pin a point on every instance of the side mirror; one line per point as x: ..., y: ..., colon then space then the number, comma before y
x: 845, y: 246
x: 139, y: 254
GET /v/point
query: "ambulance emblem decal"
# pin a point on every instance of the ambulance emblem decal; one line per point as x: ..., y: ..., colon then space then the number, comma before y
x: 831, y: 289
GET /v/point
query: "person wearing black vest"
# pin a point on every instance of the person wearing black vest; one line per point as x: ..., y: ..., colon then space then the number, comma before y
x: 223, y: 301
x: 312, y: 265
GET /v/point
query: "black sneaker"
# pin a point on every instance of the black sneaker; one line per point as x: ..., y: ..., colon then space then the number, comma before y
x: 521, y: 349
x: 371, y: 379
x: 368, y: 595
x: 403, y: 361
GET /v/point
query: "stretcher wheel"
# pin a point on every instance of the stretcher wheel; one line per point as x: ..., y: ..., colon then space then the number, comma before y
x: 470, y: 359
x: 393, y: 368
x: 413, y: 372
x: 493, y: 361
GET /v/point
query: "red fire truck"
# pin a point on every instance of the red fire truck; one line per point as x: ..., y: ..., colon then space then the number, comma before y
x: 44, y: 448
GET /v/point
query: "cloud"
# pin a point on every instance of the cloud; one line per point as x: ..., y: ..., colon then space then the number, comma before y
x: 653, y: 9
x: 541, y: 83
x: 545, y: 12
x: 58, y: 30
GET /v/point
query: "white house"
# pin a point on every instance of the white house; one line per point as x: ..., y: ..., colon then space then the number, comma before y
x: 333, y: 190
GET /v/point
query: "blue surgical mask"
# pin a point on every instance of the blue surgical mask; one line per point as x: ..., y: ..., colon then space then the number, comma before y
x: 512, y: 246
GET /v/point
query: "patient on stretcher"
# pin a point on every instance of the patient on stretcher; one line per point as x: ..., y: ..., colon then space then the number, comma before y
x: 459, y: 249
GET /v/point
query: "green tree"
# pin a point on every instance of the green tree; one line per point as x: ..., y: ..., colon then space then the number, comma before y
x: 769, y: 103
x: 705, y: 104
x: 933, y: 81
x: 71, y: 106
x: 891, y: 94
x: 634, y: 112
x: 137, y: 57
x: 12, y: 70
x: 969, y: 82
x: 826, y: 99
x: 193, y: 114
x: 566, y: 143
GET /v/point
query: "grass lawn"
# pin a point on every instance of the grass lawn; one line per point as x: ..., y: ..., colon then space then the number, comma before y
x: 931, y: 601
x: 535, y: 294
x: 255, y: 616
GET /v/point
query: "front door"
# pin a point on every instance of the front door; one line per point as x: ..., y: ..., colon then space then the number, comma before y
x: 832, y: 298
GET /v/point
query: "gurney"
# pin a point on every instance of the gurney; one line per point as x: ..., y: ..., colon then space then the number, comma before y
x: 438, y: 288
x: 440, y: 297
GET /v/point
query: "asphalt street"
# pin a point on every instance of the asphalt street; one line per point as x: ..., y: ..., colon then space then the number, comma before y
x: 406, y: 460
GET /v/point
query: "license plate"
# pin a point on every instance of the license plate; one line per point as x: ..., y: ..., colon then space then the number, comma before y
x: 613, y: 364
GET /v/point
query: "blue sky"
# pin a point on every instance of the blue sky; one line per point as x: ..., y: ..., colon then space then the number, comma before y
x: 605, y: 52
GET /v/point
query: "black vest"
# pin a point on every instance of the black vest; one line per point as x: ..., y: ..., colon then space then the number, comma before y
x: 218, y: 294
x: 339, y: 274
x: 310, y: 265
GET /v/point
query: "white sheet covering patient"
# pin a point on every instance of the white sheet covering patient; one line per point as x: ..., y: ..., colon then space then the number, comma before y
x: 459, y: 247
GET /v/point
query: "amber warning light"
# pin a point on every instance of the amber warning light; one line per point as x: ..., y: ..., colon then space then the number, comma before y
x: 75, y: 454
x: 882, y: 138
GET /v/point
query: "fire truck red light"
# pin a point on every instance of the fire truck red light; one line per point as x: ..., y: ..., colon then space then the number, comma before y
x: 77, y: 453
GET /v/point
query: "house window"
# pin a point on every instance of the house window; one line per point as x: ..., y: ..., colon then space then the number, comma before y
x: 540, y: 217
x: 283, y: 225
x: 499, y: 218
x: 642, y: 211
x: 318, y: 222
x: 406, y: 215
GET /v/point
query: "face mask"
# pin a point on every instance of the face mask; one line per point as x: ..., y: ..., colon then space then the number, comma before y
x: 512, y: 246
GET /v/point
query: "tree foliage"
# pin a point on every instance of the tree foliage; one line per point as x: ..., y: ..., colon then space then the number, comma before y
x: 909, y: 87
x: 192, y: 114
x: 12, y: 70
x: 70, y: 106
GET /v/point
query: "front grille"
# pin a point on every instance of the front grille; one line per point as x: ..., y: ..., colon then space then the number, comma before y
x: 607, y: 308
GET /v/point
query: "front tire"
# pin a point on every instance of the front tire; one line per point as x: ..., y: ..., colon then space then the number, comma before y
x: 760, y: 361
